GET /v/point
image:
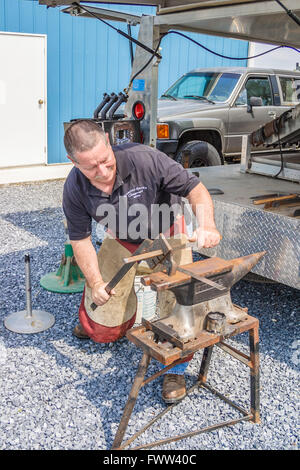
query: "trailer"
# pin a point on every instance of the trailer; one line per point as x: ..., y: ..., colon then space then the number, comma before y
x: 257, y: 202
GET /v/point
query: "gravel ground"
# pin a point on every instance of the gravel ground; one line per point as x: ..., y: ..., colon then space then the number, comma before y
x: 58, y: 392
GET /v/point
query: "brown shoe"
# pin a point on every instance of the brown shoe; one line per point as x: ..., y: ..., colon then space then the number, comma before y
x: 174, y: 388
x: 79, y: 332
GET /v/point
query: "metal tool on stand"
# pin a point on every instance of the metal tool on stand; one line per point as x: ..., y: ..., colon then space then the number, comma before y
x: 29, y: 321
x: 203, y: 316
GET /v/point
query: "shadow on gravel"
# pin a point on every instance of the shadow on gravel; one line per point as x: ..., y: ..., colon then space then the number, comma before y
x: 45, y: 224
x: 277, y: 308
x: 97, y: 376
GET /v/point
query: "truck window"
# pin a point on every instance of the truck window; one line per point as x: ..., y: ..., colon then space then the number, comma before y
x: 212, y: 85
x: 194, y: 85
x: 256, y: 86
x: 290, y: 87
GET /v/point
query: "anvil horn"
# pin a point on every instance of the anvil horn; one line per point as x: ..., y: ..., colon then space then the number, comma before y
x: 241, y: 266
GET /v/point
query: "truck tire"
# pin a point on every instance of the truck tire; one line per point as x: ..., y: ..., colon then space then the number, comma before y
x: 202, y: 154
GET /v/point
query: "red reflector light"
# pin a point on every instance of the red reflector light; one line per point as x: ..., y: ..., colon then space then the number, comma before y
x: 138, y: 110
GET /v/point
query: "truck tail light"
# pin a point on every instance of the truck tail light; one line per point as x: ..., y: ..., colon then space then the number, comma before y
x: 138, y: 110
x: 162, y: 131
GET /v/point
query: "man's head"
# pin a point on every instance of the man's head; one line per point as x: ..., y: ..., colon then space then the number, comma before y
x: 89, y: 149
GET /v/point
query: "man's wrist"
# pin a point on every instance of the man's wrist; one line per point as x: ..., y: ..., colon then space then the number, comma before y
x: 97, y: 282
x: 93, y: 283
x: 210, y: 226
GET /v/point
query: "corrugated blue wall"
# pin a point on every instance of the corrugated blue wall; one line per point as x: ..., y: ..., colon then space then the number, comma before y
x: 87, y: 58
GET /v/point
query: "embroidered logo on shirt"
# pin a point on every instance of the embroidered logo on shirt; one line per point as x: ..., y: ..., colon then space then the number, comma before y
x: 136, y: 192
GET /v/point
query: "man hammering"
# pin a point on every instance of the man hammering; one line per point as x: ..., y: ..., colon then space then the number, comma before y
x: 124, y: 188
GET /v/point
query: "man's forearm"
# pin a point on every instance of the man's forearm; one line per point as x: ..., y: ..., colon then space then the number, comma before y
x: 86, y: 258
x: 207, y: 235
x: 202, y: 206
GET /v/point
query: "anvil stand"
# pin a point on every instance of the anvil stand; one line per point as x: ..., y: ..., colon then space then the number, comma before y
x: 143, y: 337
x: 166, y: 340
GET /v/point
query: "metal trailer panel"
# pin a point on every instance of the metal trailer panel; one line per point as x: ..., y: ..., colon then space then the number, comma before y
x: 246, y: 228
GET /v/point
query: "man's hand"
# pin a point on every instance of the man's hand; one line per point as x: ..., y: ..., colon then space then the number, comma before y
x: 206, y: 234
x: 99, y: 294
x: 207, y: 237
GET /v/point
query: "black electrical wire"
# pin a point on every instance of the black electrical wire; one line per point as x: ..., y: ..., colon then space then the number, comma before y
x: 127, y: 36
x: 146, y: 64
x: 289, y: 12
x: 225, y: 56
x: 208, y: 50
x: 282, y: 161
x: 154, y: 53
x: 280, y: 149
x: 130, y: 45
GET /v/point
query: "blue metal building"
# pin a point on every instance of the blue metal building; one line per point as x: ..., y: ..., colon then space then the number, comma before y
x: 86, y: 58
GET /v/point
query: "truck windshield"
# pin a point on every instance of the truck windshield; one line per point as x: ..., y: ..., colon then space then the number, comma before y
x: 213, y: 86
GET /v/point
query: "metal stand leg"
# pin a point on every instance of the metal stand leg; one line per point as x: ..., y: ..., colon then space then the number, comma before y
x: 29, y: 321
x: 136, y: 386
x: 205, y: 364
x: 254, y: 373
x: 252, y: 361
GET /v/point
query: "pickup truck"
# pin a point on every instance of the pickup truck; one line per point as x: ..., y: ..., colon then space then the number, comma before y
x: 208, y: 110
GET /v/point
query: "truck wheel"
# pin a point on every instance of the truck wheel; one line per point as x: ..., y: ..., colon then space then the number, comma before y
x: 202, y: 154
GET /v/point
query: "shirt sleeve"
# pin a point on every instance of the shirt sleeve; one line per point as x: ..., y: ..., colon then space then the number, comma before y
x: 78, y: 220
x: 174, y: 178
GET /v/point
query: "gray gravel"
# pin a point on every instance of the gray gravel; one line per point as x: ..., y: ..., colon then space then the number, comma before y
x: 57, y: 392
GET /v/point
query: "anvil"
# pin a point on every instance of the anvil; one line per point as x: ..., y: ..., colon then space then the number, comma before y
x: 200, y: 288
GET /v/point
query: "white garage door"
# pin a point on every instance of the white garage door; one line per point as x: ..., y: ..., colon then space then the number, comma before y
x: 23, y: 112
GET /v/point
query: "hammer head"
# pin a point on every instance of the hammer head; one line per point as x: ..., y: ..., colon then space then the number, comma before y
x: 166, y: 259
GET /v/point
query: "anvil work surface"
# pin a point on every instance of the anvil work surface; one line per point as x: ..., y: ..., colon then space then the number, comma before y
x: 59, y: 392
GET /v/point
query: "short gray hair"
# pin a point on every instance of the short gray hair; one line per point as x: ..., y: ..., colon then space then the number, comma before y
x: 82, y: 135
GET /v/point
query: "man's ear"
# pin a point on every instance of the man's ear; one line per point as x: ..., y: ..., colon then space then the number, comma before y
x: 70, y: 158
x: 107, y: 138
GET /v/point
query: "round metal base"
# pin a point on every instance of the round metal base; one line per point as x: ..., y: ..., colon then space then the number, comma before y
x: 54, y: 283
x: 21, y: 322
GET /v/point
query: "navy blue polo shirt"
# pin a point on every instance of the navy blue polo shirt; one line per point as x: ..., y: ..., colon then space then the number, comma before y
x: 147, y: 180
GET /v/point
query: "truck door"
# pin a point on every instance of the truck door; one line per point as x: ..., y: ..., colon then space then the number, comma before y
x: 241, y: 121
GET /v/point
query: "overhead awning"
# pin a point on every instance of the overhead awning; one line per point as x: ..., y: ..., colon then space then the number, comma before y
x: 258, y: 21
x: 252, y: 20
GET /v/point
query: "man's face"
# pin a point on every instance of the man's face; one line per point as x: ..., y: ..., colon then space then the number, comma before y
x: 97, y: 164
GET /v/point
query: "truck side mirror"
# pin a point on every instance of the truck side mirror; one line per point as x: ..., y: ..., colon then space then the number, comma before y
x: 254, y: 101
